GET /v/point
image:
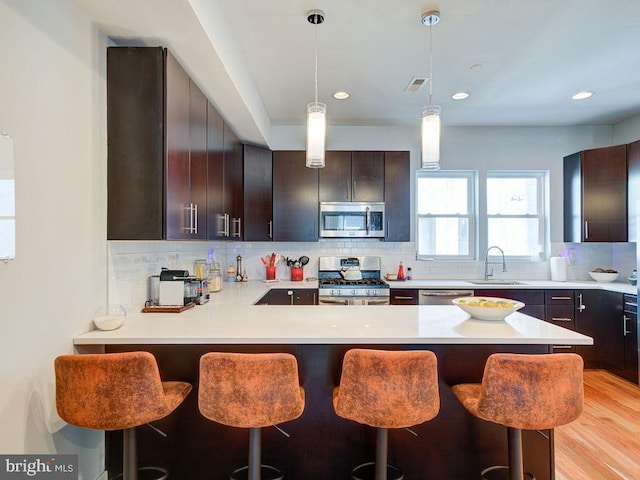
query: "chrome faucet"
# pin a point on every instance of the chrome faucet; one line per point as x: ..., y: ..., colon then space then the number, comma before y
x: 488, y: 273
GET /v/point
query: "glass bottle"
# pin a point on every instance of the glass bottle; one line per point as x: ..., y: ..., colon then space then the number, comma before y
x: 215, y: 278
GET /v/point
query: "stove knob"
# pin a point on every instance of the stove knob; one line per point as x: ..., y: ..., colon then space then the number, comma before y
x: 354, y: 292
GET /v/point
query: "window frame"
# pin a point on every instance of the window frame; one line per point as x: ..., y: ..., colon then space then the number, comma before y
x: 541, y: 177
x: 472, y: 211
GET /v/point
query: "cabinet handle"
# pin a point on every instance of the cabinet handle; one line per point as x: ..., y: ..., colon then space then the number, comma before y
x: 348, y: 193
x: 386, y: 234
x: 290, y: 293
x: 586, y: 229
x: 315, y: 302
x: 195, y: 219
x: 226, y: 224
x: 624, y: 325
x: 561, y: 298
x: 189, y: 227
x: 561, y: 347
x: 581, y: 306
x: 561, y: 319
x: 631, y: 304
x: 223, y: 230
x: 237, y: 232
x: 400, y: 297
x: 353, y: 192
x: 270, y: 223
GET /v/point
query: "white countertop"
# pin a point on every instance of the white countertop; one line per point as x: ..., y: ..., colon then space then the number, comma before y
x: 231, y: 318
x: 524, y: 285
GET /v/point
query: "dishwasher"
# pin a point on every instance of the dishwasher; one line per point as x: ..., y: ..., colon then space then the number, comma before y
x: 441, y: 297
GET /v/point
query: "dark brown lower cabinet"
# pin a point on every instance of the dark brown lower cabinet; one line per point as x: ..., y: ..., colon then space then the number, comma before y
x: 533, y: 299
x: 290, y: 296
x: 454, y: 445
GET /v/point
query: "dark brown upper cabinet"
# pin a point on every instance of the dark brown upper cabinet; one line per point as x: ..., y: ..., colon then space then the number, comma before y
x: 224, y: 179
x: 633, y: 188
x: 397, y: 199
x: 595, y: 195
x: 156, y: 123
x: 352, y: 177
x: 295, y: 198
x: 258, y: 195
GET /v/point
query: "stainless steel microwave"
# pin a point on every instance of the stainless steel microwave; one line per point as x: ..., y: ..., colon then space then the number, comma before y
x: 352, y: 220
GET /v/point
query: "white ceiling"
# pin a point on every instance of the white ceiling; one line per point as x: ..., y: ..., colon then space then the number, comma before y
x: 255, y: 58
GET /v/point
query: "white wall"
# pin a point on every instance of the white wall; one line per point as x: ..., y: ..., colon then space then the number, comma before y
x: 52, y: 101
x: 627, y: 131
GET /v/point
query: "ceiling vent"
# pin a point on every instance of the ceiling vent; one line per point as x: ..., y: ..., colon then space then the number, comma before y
x: 416, y: 84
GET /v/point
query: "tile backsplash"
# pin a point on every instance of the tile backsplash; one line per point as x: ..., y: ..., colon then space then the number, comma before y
x: 132, y: 262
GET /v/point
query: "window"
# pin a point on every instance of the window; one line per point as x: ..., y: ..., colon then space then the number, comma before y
x: 445, y: 209
x: 7, y: 200
x: 515, y: 212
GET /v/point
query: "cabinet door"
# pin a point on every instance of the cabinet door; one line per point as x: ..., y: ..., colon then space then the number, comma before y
x: 397, y: 202
x: 258, y: 212
x: 631, y: 346
x: 177, y: 196
x: 135, y: 150
x: 295, y: 198
x: 598, y: 314
x: 633, y: 188
x: 367, y: 176
x: 216, y: 221
x: 306, y: 296
x: 197, y: 163
x: 233, y: 181
x: 604, y: 190
x: 335, y: 177
x: 403, y: 296
x: 595, y: 186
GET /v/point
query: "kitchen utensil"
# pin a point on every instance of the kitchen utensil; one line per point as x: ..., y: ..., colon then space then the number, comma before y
x: 351, y: 273
x: 304, y: 260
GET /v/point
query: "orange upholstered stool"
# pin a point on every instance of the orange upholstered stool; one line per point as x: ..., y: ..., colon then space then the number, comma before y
x: 250, y: 390
x: 116, y: 391
x: 525, y: 392
x: 386, y: 389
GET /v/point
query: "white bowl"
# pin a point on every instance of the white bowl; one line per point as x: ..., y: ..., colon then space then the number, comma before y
x: 487, y: 308
x: 110, y: 317
x: 604, y: 277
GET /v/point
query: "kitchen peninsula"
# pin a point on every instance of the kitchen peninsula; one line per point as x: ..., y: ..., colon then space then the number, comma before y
x: 322, y: 445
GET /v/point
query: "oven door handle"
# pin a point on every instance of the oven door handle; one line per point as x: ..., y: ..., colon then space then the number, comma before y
x: 379, y: 301
x: 327, y: 301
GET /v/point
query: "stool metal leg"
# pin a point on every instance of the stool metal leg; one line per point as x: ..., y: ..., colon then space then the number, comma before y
x: 514, y: 442
x: 382, y: 437
x: 254, y: 453
x: 130, y: 455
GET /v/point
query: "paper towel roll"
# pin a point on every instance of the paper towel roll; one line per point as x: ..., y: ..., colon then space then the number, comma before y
x: 559, y: 269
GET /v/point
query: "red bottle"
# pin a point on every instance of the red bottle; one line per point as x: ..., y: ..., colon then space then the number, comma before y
x: 400, y: 272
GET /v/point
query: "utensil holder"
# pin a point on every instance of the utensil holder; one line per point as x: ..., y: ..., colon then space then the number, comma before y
x: 271, y: 272
x: 297, y: 274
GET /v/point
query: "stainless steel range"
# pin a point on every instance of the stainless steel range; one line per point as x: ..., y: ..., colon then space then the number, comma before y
x: 351, y: 281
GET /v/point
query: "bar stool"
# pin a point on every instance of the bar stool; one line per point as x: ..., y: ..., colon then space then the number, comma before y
x: 525, y: 392
x: 116, y: 391
x: 386, y: 389
x: 250, y: 390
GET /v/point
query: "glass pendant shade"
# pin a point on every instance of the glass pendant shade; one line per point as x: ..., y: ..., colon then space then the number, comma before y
x: 431, y: 137
x: 316, y: 132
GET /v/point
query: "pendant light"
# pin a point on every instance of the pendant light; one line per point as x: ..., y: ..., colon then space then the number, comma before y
x: 316, y: 111
x: 430, y: 128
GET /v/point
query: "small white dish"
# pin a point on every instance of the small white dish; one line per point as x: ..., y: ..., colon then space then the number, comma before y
x: 109, y: 318
x: 487, y: 308
x: 604, y: 277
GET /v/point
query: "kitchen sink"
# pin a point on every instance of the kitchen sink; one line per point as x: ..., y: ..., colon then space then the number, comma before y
x: 495, y: 282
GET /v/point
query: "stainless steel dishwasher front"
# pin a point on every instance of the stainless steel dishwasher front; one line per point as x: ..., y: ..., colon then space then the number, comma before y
x: 441, y: 297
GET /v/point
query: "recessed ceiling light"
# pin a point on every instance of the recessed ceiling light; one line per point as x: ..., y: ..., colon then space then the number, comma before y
x: 582, y: 95
x: 460, y: 95
x: 341, y: 95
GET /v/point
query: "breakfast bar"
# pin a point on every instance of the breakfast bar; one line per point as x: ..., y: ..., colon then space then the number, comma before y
x: 321, y: 444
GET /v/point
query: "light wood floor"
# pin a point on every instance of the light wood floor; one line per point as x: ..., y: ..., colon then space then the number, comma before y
x: 604, y: 443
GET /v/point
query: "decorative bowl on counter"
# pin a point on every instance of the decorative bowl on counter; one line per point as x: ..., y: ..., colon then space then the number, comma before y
x: 604, y: 277
x: 109, y: 317
x: 487, y: 308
